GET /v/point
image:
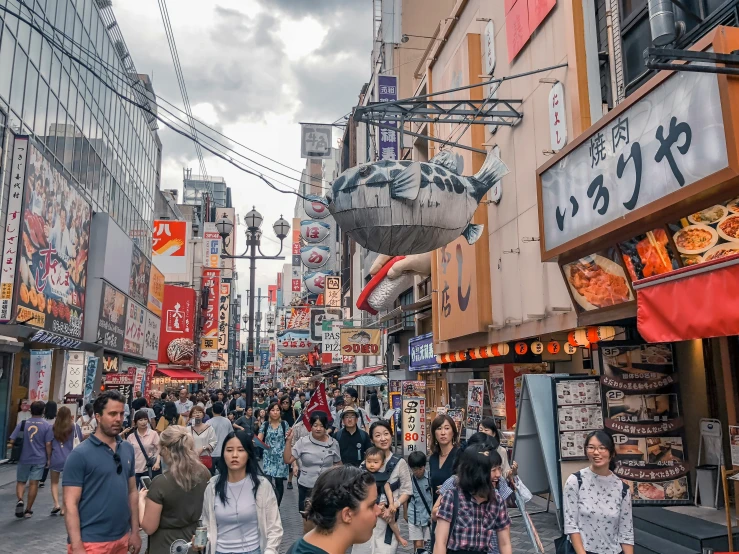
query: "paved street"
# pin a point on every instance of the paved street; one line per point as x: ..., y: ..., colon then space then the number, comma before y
x: 44, y: 534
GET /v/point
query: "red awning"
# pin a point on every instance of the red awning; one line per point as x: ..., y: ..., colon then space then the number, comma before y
x: 695, y: 302
x: 181, y: 374
x: 364, y: 371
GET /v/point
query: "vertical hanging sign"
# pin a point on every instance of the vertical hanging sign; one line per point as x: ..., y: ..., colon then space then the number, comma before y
x: 209, y: 343
x: 38, y: 382
x: 296, y: 285
x: 211, y: 246
x: 13, y: 226
x: 414, y: 416
x: 387, y: 91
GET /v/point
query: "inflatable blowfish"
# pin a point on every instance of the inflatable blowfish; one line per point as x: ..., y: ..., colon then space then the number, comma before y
x: 401, y: 207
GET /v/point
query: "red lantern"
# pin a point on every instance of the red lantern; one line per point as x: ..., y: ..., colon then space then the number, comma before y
x: 571, y: 339
x: 593, y: 334
x: 553, y: 347
x: 521, y: 348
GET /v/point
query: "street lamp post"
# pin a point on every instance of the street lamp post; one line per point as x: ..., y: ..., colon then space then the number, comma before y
x: 253, y: 222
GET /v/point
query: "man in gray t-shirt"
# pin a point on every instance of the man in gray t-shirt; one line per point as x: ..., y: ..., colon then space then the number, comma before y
x: 222, y: 427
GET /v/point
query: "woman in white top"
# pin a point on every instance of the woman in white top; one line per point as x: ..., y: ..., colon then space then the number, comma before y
x: 399, y: 473
x: 203, y: 435
x: 87, y: 421
x: 239, y: 507
x: 597, y: 504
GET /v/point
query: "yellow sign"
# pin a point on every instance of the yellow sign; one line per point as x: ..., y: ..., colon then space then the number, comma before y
x: 360, y: 342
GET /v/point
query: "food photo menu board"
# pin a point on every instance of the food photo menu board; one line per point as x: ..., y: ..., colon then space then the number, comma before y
x: 579, y: 412
x: 643, y: 414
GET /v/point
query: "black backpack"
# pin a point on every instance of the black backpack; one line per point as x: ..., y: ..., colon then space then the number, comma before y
x: 15, y: 453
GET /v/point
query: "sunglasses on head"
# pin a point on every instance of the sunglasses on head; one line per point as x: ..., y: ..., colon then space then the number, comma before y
x: 118, y: 465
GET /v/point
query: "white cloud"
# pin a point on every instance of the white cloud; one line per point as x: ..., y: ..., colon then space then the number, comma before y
x: 253, y: 70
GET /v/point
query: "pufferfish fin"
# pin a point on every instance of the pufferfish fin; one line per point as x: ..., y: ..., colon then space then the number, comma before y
x: 446, y: 159
x: 472, y: 232
x: 407, y: 183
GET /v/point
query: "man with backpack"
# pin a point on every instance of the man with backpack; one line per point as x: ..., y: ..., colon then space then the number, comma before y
x: 353, y: 441
x: 33, y: 436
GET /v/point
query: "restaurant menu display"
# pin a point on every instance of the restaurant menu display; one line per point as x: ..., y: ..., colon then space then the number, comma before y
x: 579, y: 412
x: 642, y: 412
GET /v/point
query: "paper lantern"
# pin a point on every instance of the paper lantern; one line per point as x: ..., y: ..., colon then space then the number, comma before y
x: 474, y: 354
x: 315, y: 256
x: 581, y: 337
x: 537, y: 347
x: 601, y: 333
x: 553, y: 347
x: 569, y: 349
x: 315, y: 207
x: 314, y: 231
x: 315, y: 281
x: 521, y: 348
x: 501, y: 349
x: 571, y: 340
x: 399, y: 208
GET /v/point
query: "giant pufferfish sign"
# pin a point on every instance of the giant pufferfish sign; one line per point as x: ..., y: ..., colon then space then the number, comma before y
x: 401, y: 207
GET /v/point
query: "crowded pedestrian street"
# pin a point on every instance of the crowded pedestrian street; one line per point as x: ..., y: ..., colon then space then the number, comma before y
x: 45, y: 534
x: 369, y: 277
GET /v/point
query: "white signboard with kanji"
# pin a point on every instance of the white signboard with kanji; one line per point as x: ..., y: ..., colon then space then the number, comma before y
x: 315, y: 141
x: 557, y: 117
x: 666, y: 141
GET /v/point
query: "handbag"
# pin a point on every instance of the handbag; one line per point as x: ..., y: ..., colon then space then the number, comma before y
x: 206, y: 459
x: 523, y: 490
x: 562, y: 545
x: 76, y: 440
x: 15, y: 453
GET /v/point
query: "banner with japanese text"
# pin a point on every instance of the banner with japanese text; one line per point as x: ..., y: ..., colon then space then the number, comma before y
x: 40, y: 376
x: 414, y: 417
x: 209, y: 343
x: 387, y: 91
x: 178, y: 318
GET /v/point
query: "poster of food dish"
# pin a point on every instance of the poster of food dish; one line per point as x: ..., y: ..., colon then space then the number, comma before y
x: 497, y: 390
x: 598, y: 281
x: 648, y: 254
x: 52, y: 273
x: 578, y: 412
x: 708, y: 234
x: 643, y: 413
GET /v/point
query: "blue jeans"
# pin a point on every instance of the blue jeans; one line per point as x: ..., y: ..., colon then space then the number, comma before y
x: 255, y: 551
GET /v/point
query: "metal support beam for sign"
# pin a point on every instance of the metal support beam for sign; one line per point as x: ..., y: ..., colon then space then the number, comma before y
x: 658, y: 59
x: 490, y: 111
x: 427, y: 137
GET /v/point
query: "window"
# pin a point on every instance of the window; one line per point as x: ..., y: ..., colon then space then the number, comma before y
x: 19, y: 81
x: 405, y: 299
x: 29, y: 104
x: 7, y: 52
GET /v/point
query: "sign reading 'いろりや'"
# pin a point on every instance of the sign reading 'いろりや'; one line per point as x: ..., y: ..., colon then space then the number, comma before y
x: 666, y: 141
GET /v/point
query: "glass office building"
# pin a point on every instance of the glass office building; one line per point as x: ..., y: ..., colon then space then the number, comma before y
x: 107, y: 146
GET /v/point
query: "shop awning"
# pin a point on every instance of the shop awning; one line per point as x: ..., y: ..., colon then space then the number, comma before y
x: 695, y: 302
x: 364, y: 371
x: 181, y: 374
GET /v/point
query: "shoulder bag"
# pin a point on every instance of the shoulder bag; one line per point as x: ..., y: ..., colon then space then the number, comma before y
x: 15, y: 453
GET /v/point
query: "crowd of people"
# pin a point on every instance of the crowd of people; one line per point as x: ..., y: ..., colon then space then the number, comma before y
x: 214, y: 464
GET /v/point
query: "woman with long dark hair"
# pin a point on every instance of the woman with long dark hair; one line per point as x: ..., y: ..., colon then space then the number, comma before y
x: 472, y: 515
x: 65, y: 431
x: 240, y: 508
x: 50, y: 410
x: 343, y: 510
x: 488, y: 426
x: 171, y: 508
x: 273, y: 433
x: 444, y: 451
x: 597, y: 504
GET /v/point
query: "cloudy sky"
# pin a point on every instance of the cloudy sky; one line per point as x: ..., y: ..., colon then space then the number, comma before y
x: 253, y: 69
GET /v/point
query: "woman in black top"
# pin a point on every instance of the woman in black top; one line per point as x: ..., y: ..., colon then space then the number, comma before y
x: 288, y: 412
x: 444, y: 451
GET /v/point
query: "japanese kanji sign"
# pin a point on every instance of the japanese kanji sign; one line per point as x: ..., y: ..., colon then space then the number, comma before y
x: 671, y: 138
x: 138, y: 287
x: 209, y: 342
x: 315, y: 141
x: 557, y: 117
x: 169, y: 246
x: 223, y: 316
x: 151, y: 336
x: 414, y: 417
x: 421, y: 353
x: 156, y: 291
x: 133, y: 340
x: 13, y: 226
x: 332, y: 294
x: 74, y: 373
x: 387, y: 91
